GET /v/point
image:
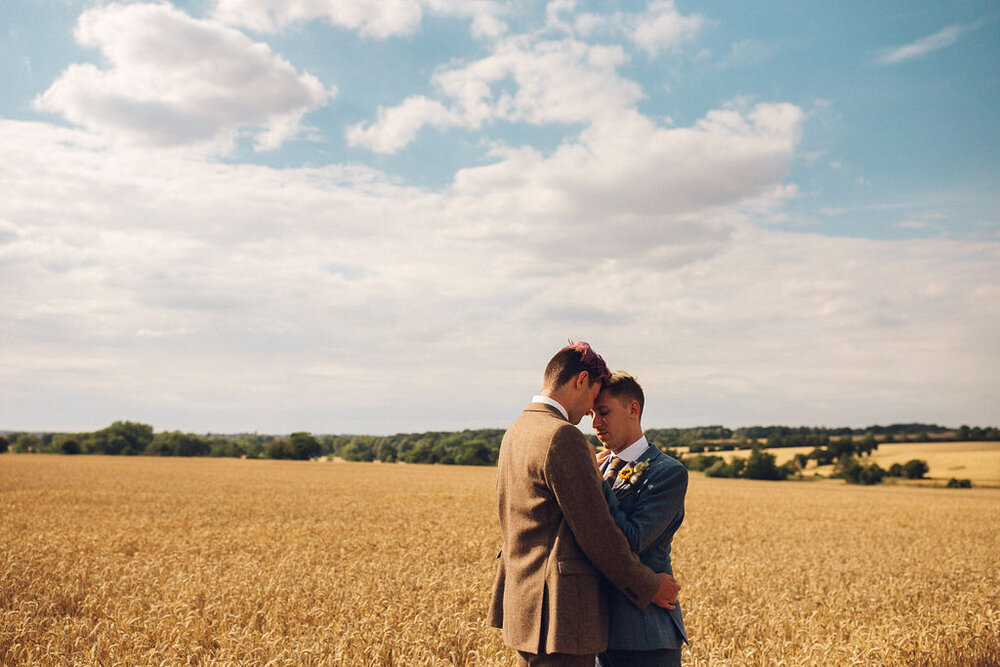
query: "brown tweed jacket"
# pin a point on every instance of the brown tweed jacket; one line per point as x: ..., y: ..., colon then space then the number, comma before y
x: 558, y: 539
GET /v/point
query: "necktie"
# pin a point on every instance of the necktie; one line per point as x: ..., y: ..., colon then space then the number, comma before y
x: 612, y: 470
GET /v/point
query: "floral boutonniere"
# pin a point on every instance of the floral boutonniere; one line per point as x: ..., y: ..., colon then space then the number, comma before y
x: 630, y: 474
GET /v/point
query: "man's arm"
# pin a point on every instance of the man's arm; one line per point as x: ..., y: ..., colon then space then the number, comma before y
x: 573, y: 479
x: 661, y: 505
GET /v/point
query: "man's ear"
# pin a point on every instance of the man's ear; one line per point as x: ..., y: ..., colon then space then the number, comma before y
x: 633, y: 408
x: 582, y: 380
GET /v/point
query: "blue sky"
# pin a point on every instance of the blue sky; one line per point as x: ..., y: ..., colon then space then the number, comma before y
x: 230, y: 215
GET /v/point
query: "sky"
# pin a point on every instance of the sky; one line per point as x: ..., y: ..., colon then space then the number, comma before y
x: 381, y: 216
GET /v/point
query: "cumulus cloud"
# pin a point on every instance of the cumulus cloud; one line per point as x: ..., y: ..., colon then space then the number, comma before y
x: 661, y: 27
x: 174, y: 80
x: 195, y: 295
x: 672, y: 194
x: 665, y: 186
x: 522, y: 80
x: 923, y: 46
x: 536, y: 78
x: 378, y: 19
x: 396, y: 127
x: 162, y: 286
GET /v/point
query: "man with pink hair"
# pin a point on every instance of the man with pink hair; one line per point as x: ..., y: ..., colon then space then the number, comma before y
x: 558, y: 536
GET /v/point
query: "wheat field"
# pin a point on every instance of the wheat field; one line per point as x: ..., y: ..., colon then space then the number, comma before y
x: 118, y: 561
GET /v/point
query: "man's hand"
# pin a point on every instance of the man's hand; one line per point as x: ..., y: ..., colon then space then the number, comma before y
x: 600, y: 458
x: 666, y: 597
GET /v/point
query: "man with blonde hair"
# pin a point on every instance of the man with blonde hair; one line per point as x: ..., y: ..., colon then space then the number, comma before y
x: 646, y: 499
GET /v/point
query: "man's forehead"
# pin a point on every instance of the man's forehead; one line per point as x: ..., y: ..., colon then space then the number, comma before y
x: 603, y: 398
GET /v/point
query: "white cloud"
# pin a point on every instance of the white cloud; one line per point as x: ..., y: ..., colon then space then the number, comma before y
x: 661, y: 27
x: 535, y: 78
x: 398, y: 126
x: 628, y: 169
x: 189, y: 294
x: 747, y: 52
x: 561, y: 81
x: 163, y: 286
x: 923, y: 46
x: 379, y: 19
x: 174, y: 80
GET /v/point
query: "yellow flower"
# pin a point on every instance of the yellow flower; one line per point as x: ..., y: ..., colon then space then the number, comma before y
x: 632, y: 475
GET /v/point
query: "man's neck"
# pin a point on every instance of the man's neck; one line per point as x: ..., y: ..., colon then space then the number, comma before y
x: 560, y: 396
x: 548, y: 400
x: 632, y: 440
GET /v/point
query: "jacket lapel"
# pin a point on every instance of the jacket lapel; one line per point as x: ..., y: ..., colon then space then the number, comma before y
x: 626, y: 488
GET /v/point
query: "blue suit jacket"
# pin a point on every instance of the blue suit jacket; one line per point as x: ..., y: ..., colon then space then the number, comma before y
x: 648, y: 512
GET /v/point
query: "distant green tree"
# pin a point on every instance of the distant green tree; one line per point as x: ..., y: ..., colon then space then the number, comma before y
x: 717, y: 469
x: 959, y: 483
x: 176, y: 443
x: 278, y: 449
x: 304, y: 446
x: 852, y: 472
x: 793, y: 467
x: 357, y: 448
x: 122, y: 437
x: 722, y: 469
x: 856, y: 473
x: 761, y: 465
x: 822, y: 456
x: 70, y: 446
x: 872, y: 474
x: 842, y: 445
x: 916, y: 469
x: 4, y: 444
x: 26, y: 443
x: 473, y: 453
x: 421, y: 453
x: 867, y: 443
x: 735, y: 467
x: 701, y: 462
x: 896, y: 470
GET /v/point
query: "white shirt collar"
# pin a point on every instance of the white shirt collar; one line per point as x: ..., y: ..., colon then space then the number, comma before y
x: 553, y: 402
x: 632, y: 453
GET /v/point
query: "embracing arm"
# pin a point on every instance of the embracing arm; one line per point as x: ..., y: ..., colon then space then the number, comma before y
x: 572, y: 477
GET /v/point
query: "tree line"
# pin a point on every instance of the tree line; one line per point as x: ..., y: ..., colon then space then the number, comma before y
x: 126, y: 438
x: 719, y: 438
x: 844, y: 447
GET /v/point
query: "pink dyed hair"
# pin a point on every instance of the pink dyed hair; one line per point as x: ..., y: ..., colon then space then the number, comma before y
x: 571, y: 361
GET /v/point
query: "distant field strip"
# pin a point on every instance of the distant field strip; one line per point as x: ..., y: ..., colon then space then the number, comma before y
x: 118, y: 560
x: 975, y: 461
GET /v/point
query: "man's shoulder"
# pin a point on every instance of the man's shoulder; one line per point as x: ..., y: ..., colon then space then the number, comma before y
x: 538, y: 416
x: 665, y: 464
x: 540, y: 423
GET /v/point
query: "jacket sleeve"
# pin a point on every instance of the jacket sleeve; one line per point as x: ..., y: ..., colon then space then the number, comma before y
x: 573, y: 480
x: 661, y: 506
